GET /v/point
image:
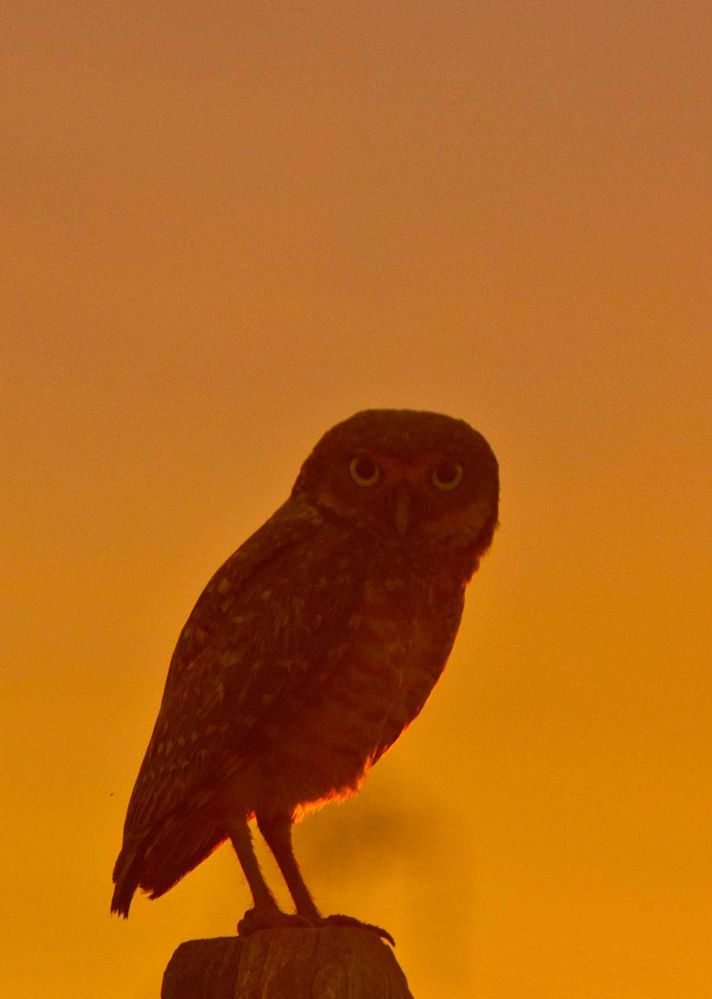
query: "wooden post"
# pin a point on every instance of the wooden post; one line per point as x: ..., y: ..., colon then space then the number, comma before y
x: 333, y: 962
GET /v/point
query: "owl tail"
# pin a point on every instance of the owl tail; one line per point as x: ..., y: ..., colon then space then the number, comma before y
x: 156, y: 863
x: 125, y: 881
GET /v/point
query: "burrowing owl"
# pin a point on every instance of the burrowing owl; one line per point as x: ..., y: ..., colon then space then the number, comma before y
x: 310, y: 650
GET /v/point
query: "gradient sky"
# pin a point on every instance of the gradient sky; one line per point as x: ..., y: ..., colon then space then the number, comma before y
x: 227, y: 226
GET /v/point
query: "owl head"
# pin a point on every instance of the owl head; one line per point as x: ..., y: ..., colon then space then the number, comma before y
x: 413, y: 478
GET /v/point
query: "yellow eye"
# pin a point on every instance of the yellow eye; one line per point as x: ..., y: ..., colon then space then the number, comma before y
x: 447, y: 475
x: 364, y: 471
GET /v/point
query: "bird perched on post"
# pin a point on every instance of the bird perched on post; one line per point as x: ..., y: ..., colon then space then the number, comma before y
x: 310, y: 651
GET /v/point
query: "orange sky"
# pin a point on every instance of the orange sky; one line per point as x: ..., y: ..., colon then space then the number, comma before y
x: 226, y: 227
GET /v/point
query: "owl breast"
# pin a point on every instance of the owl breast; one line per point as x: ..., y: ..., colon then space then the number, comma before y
x: 376, y: 671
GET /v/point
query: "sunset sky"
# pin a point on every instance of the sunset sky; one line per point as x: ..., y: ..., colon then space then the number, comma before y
x: 227, y: 226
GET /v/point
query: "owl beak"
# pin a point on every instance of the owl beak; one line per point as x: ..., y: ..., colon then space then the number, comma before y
x: 401, y: 516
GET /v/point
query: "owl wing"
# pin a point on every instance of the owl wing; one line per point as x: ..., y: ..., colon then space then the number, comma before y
x: 270, y: 616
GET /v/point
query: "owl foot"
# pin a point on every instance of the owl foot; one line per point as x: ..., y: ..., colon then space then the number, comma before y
x: 269, y: 919
x: 340, y: 920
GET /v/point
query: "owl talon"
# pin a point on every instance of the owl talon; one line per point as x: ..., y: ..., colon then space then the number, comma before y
x: 253, y: 921
x: 340, y: 920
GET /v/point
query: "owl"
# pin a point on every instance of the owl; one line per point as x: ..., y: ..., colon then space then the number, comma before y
x: 309, y: 652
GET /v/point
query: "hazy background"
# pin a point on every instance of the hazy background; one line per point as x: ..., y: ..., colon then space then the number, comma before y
x: 227, y: 226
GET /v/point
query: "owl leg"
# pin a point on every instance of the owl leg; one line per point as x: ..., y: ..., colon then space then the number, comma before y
x: 266, y: 913
x: 242, y: 842
x: 277, y: 831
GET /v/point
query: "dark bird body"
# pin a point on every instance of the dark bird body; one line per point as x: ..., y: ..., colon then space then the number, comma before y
x: 311, y: 649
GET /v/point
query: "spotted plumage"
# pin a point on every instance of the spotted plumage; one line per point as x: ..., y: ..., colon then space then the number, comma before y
x: 311, y: 649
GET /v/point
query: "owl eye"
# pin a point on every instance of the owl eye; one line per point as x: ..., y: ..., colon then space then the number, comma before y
x: 364, y: 471
x: 447, y: 475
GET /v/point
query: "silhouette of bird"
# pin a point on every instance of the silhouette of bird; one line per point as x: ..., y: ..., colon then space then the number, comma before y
x: 310, y: 651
